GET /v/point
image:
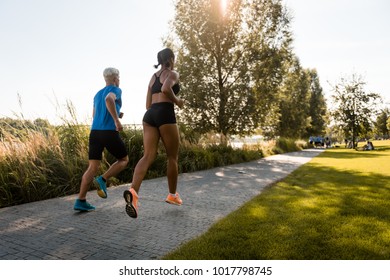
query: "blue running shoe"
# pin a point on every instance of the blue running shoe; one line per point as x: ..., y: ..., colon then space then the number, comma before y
x: 100, y: 186
x: 83, y: 206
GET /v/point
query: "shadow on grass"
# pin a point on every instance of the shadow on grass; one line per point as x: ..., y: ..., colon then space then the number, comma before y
x: 332, y: 215
x: 353, y: 154
x: 317, y: 212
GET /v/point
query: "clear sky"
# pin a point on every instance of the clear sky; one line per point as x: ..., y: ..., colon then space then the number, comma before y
x: 52, y: 51
x: 341, y: 37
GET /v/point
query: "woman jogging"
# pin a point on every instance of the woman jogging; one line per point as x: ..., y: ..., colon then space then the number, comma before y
x: 159, y: 122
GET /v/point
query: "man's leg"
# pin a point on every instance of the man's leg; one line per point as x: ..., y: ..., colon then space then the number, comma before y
x: 117, y: 148
x: 116, y: 168
x: 87, y: 178
x: 81, y: 203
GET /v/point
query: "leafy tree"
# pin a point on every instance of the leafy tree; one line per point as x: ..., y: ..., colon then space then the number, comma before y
x: 42, y: 125
x: 381, y: 124
x: 230, y: 62
x: 21, y: 127
x: 354, y: 108
x: 270, y: 47
x: 16, y: 127
x: 388, y: 124
x: 294, y: 104
x: 365, y: 130
x: 317, y: 105
x: 302, y: 107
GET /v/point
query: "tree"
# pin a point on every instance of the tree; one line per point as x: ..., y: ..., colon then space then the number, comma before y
x: 269, y: 45
x: 229, y: 61
x: 388, y: 124
x: 294, y: 103
x: 20, y: 127
x: 354, y: 107
x: 302, y: 107
x: 317, y: 105
x: 381, y: 127
x: 16, y: 127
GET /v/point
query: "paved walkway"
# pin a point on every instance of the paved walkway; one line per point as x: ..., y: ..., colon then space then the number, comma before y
x: 51, y: 229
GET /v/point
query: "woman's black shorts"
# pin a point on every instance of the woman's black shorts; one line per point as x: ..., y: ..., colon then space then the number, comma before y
x: 109, y: 139
x: 159, y: 114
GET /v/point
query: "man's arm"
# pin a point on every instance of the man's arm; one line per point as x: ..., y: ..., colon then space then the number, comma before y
x: 110, y: 103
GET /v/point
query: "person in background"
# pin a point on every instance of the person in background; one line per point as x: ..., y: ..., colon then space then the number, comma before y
x: 159, y: 122
x: 104, y: 135
x: 369, y: 146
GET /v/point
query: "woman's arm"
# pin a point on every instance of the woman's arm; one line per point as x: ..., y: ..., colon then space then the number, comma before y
x: 148, y: 98
x: 166, y: 88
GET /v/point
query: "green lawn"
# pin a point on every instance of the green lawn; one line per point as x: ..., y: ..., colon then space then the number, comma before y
x: 335, y: 207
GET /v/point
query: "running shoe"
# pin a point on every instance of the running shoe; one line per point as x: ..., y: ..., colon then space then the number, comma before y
x: 176, y: 200
x: 131, y: 199
x: 83, y: 206
x: 100, y: 186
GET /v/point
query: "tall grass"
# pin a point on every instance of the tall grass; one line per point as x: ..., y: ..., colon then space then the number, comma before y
x: 40, y: 161
x: 42, y: 164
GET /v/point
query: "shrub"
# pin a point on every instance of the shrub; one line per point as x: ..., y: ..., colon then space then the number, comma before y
x: 43, y: 161
x: 35, y: 169
x: 286, y: 145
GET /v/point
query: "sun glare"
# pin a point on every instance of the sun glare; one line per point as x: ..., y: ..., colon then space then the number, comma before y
x: 224, y: 6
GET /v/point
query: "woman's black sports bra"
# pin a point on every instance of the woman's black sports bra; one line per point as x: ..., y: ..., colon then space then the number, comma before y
x: 157, y: 85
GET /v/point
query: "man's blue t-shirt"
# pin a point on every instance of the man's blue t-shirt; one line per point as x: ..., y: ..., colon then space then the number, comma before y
x: 102, y: 119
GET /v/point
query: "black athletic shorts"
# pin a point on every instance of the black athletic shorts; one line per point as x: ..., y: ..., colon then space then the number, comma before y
x: 109, y: 139
x: 159, y: 114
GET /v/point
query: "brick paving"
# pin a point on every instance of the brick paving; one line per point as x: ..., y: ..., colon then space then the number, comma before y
x: 51, y: 229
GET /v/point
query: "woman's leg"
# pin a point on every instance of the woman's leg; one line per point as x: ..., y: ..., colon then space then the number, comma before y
x: 170, y: 137
x: 151, y: 138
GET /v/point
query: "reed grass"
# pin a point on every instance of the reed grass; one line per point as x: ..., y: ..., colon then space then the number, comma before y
x: 40, y: 161
x: 39, y: 166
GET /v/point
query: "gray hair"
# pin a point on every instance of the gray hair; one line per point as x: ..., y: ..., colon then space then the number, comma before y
x: 110, y: 72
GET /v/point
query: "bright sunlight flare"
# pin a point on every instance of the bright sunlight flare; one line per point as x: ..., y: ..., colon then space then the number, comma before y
x: 224, y: 4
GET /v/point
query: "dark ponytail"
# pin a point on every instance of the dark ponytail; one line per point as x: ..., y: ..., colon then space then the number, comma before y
x: 164, y: 56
